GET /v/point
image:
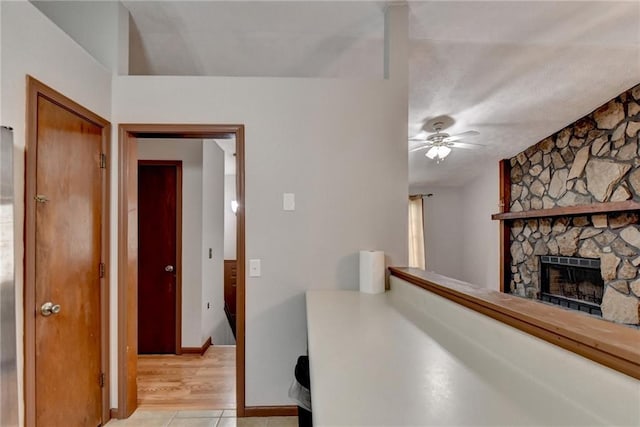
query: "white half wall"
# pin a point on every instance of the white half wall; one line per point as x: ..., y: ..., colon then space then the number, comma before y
x: 214, y: 320
x: 481, y: 234
x: 32, y: 45
x: 229, y: 217
x: 190, y: 152
x: 340, y: 146
x: 522, y: 367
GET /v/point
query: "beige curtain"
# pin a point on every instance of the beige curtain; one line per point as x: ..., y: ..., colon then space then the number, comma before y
x: 416, y: 233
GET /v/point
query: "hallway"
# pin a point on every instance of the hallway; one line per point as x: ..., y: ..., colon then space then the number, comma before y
x: 188, y: 381
x: 191, y: 390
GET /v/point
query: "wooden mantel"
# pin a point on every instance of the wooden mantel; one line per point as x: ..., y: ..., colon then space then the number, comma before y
x: 594, y: 208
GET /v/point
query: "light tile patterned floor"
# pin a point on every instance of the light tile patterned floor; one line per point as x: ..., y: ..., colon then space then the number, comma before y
x: 209, y: 418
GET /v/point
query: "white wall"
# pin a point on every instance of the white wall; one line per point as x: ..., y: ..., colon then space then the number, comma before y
x: 444, y: 247
x: 97, y: 26
x: 190, y: 152
x: 481, y: 233
x: 335, y: 145
x: 214, y: 320
x: 229, y: 217
x: 31, y: 44
x: 351, y: 189
x: 461, y: 239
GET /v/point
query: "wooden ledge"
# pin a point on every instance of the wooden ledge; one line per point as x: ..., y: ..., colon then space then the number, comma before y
x: 594, y: 208
x: 612, y: 345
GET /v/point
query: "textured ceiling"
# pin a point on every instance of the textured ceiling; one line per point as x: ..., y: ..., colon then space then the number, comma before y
x: 514, y: 71
x: 263, y: 38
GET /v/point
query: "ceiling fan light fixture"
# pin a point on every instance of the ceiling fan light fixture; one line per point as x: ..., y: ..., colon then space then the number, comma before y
x: 443, y: 151
x: 438, y: 153
x: 432, y: 153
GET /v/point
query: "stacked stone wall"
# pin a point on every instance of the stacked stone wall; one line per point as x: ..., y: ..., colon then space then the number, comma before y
x: 596, y: 159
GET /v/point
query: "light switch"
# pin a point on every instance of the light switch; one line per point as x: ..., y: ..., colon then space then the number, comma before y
x: 254, y: 268
x: 289, y: 202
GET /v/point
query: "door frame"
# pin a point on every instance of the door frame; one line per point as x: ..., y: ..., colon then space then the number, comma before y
x: 37, y: 89
x: 127, y: 252
x: 178, y: 300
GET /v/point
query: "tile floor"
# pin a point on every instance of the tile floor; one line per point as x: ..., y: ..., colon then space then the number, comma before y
x: 209, y: 418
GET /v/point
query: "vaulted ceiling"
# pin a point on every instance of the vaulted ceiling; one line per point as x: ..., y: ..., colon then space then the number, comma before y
x: 514, y: 71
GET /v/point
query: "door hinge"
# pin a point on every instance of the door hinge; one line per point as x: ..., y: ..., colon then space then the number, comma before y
x: 101, y: 270
x: 103, y: 161
x: 102, y: 379
x: 40, y: 198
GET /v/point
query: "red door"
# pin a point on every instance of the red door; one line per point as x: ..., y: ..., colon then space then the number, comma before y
x: 158, y: 227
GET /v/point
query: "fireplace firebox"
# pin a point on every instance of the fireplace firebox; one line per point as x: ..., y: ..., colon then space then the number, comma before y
x: 572, y: 282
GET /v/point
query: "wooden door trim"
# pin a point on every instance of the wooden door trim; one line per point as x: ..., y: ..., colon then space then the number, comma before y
x: 271, y: 411
x: 126, y: 290
x: 37, y: 89
x: 198, y: 350
x: 178, y: 165
x: 504, y: 167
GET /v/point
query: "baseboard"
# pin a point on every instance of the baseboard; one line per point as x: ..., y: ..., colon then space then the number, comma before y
x: 197, y: 350
x: 113, y: 413
x: 270, y: 411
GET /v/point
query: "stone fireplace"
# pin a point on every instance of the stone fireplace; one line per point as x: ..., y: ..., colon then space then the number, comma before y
x: 570, y: 241
x: 571, y: 282
x: 613, y: 241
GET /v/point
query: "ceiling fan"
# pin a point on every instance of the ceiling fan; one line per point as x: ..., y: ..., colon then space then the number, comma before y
x: 441, y: 143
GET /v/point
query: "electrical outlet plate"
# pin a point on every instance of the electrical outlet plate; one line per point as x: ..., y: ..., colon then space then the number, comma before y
x: 254, y: 268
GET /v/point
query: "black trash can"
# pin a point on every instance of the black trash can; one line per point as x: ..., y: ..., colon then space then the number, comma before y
x: 300, y: 393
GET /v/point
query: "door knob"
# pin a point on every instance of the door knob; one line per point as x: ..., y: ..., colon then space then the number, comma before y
x: 168, y: 268
x: 49, y: 308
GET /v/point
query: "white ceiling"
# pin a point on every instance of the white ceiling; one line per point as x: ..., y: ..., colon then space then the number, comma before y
x: 514, y: 71
x: 258, y: 38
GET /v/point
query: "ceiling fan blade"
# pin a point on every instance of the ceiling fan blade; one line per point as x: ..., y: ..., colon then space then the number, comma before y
x: 418, y: 139
x: 467, y: 133
x: 421, y: 147
x: 466, y: 145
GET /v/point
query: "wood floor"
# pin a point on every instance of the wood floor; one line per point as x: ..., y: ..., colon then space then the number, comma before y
x: 188, y: 381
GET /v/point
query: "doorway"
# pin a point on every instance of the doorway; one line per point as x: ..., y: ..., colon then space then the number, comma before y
x: 159, y: 256
x: 128, y: 249
x: 66, y: 247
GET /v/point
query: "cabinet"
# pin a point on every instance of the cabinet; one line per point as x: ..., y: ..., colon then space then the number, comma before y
x: 230, y: 276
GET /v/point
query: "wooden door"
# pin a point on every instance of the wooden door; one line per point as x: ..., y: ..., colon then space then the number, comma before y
x: 70, y: 192
x: 158, y: 227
